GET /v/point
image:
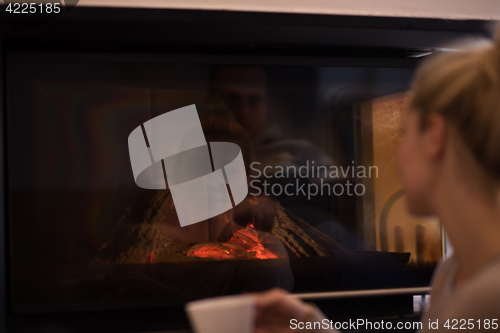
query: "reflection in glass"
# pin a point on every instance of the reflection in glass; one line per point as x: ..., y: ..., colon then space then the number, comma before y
x: 325, y: 211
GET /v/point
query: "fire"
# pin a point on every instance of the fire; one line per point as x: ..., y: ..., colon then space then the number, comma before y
x: 243, y: 245
x: 211, y: 251
x: 249, y: 240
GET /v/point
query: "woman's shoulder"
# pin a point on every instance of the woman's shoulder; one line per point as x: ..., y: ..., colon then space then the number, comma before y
x: 483, y: 290
x: 478, y: 298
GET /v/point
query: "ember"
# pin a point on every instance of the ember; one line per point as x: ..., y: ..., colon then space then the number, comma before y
x: 249, y: 240
x: 244, y: 244
x: 211, y: 251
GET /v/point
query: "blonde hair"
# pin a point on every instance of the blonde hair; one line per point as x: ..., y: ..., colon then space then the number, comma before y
x: 464, y: 87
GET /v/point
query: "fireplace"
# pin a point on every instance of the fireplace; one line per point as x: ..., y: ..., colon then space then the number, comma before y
x: 310, y: 194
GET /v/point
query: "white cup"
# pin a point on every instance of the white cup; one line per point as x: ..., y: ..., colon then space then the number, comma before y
x: 228, y: 314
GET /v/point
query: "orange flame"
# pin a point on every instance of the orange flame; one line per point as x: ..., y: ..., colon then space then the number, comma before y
x: 249, y: 240
x: 246, y: 239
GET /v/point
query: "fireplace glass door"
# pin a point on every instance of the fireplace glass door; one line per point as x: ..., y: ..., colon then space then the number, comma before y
x: 316, y: 204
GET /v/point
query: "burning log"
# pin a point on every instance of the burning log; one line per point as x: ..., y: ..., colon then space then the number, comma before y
x: 251, y: 249
x: 300, y: 238
x: 255, y: 231
x: 258, y: 228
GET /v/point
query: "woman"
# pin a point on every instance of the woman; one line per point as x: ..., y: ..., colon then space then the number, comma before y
x: 449, y: 164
